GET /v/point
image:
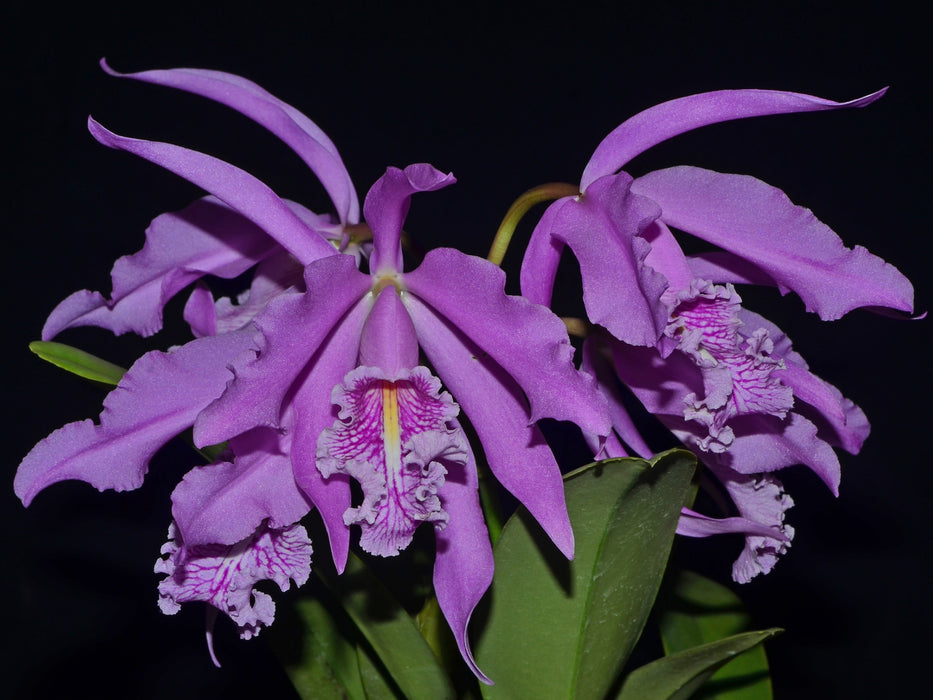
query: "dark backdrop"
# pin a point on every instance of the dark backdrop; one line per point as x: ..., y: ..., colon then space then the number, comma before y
x: 506, y: 99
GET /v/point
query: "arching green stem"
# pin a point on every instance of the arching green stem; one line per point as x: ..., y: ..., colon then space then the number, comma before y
x: 520, y: 207
x: 577, y: 326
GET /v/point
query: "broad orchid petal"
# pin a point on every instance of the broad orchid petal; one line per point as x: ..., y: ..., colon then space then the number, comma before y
x: 766, y: 444
x: 224, y: 575
x: 226, y: 502
x: 542, y: 257
x: 292, y: 326
x: 208, y: 237
x: 301, y: 134
x: 517, y: 453
x: 310, y: 400
x: 661, y: 122
x: 463, y: 564
x: 386, y: 206
x: 236, y: 187
x: 758, y: 222
x: 526, y: 340
x: 620, y: 291
x: 393, y: 436
x: 157, y: 398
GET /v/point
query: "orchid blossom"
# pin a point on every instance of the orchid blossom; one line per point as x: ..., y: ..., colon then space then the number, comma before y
x: 319, y: 380
x: 723, y: 379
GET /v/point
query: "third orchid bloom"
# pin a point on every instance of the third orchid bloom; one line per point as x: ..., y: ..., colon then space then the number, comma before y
x: 724, y: 380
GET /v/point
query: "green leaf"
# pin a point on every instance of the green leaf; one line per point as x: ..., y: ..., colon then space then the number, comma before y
x: 695, y: 611
x: 327, y: 666
x: 76, y: 361
x: 391, y: 632
x: 678, y: 676
x: 559, y: 629
x: 374, y: 681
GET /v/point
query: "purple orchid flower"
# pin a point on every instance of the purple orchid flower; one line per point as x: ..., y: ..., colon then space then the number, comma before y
x: 351, y: 340
x: 725, y: 381
x: 320, y: 382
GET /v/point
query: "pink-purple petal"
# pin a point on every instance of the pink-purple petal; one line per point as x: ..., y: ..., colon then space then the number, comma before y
x: 237, y: 188
x: 276, y: 275
x: 224, y: 502
x: 463, y: 564
x: 293, y: 327
x: 386, y: 206
x: 157, y: 398
x: 302, y: 135
x: 526, y: 340
x: 661, y: 122
x: 207, y: 237
x: 759, y: 223
x: 693, y: 524
x: 542, y: 257
x: 604, y: 230
x: 516, y: 451
x: 310, y: 401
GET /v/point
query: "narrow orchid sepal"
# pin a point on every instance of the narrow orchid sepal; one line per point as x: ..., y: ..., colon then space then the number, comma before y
x: 668, y: 119
x: 234, y: 186
x: 521, y: 460
x: 302, y: 135
x: 463, y: 563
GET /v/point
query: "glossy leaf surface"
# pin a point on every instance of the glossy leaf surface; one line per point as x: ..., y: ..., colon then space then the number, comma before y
x: 560, y: 629
x: 678, y: 676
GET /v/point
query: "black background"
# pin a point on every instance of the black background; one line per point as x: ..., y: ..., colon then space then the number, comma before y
x: 506, y: 99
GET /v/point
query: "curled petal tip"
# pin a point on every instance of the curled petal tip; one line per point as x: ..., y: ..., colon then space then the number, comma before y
x: 98, y: 131
x: 867, y: 99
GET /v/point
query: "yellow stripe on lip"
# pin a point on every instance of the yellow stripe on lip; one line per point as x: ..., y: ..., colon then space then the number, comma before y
x: 391, y: 434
